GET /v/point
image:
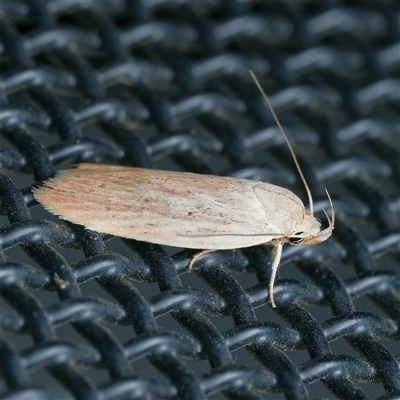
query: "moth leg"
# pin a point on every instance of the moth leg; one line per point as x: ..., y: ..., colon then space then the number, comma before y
x: 276, y: 259
x: 196, y: 256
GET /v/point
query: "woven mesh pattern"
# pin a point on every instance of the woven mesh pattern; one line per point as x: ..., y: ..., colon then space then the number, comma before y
x: 166, y: 84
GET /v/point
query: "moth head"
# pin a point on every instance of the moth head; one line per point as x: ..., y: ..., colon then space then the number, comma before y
x: 311, y: 233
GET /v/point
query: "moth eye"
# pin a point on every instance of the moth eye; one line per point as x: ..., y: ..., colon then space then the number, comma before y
x: 296, y: 240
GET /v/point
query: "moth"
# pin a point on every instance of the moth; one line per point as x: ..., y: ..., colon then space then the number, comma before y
x: 184, y: 209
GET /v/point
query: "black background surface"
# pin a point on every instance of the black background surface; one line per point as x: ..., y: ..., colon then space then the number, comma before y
x: 166, y: 84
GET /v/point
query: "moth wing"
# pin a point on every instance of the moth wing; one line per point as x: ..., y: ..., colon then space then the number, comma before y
x: 283, y: 207
x: 164, y: 207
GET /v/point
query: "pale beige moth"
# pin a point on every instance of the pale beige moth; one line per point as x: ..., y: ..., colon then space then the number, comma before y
x: 183, y: 209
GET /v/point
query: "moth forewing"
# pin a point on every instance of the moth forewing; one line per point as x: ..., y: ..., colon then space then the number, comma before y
x: 173, y: 208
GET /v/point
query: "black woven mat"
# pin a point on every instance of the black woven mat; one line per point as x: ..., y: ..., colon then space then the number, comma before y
x: 166, y: 84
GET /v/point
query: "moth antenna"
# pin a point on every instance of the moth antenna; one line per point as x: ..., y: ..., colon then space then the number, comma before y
x: 310, y: 200
x: 240, y: 234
